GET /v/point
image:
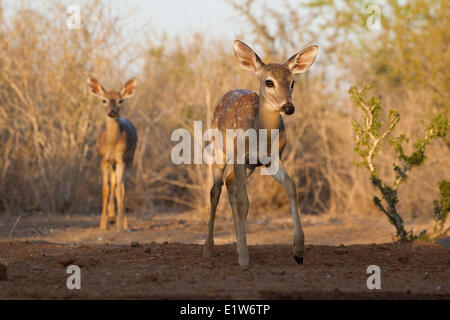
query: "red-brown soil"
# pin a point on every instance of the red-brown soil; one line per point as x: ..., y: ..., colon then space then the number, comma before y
x: 112, y: 268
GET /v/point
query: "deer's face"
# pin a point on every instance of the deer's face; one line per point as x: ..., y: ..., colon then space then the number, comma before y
x: 276, y: 86
x: 112, y: 101
x: 276, y: 80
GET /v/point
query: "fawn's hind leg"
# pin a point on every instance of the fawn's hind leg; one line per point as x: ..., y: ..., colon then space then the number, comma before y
x: 237, y: 195
x: 215, y: 192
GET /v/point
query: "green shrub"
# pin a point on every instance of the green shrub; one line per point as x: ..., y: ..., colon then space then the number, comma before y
x: 369, y: 137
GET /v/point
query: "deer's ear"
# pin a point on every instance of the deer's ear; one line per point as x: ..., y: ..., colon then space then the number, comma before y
x: 128, y: 88
x: 247, y: 58
x: 95, y: 87
x: 301, y: 61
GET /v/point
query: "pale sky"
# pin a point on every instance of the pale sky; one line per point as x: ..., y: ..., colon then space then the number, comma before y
x: 216, y: 17
x: 179, y: 16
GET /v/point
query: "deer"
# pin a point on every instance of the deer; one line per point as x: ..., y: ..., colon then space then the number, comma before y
x: 116, y: 146
x: 244, y: 109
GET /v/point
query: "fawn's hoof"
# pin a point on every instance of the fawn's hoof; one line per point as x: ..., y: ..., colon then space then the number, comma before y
x: 299, y: 260
x: 208, y: 249
x: 207, y: 253
x: 243, y: 264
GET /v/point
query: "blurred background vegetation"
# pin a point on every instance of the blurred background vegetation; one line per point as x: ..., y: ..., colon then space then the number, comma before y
x: 49, y: 124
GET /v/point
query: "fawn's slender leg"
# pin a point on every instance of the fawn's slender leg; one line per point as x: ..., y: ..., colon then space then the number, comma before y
x: 215, y: 192
x: 106, y: 168
x: 237, y: 193
x: 231, y: 188
x: 120, y: 193
x: 299, y: 239
x: 124, y: 179
x: 111, y: 202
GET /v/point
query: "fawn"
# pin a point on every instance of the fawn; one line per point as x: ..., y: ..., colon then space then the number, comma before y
x: 244, y: 109
x: 117, y: 144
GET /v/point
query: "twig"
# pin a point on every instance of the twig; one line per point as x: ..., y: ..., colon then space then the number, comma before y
x: 137, y: 260
x: 14, y: 226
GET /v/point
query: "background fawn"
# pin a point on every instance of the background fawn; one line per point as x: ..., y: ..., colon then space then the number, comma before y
x: 117, y: 144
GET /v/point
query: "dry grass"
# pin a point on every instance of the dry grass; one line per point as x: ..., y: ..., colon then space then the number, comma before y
x: 49, y: 124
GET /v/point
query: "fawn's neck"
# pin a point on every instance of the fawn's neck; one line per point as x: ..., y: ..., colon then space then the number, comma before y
x: 267, y: 117
x: 112, y: 130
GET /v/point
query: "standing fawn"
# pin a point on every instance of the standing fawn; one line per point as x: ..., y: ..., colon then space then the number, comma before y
x: 244, y: 109
x: 116, y: 147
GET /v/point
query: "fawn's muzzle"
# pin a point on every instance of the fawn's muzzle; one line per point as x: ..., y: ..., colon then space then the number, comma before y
x: 112, y: 114
x: 288, y: 108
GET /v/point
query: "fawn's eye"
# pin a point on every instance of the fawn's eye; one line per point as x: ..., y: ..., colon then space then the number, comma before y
x: 104, y: 101
x: 269, y: 83
x: 120, y: 101
x: 292, y: 85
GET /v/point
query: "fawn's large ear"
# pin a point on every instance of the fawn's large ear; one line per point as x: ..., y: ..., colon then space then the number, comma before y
x: 301, y: 61
x: 246, y: 57
x: 95, y: 87
x: 128, y: 88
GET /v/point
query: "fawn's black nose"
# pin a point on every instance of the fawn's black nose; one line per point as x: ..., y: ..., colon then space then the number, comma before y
x: 112, y: 114
x: 288, y: 108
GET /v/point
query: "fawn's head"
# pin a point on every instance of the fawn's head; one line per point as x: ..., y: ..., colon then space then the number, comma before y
x: 112, y: 101
x: 276, y: 80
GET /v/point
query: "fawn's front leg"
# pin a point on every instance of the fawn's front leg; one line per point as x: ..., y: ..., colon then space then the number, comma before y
x: 120, y: 195
x: 111, y: 203
x: 291, y: 190
x: 106, y: 168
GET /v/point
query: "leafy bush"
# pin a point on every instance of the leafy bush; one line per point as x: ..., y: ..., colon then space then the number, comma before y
x: 369, y: 138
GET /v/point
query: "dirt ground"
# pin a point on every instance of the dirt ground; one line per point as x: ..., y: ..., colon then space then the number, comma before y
x: 160, y: 258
